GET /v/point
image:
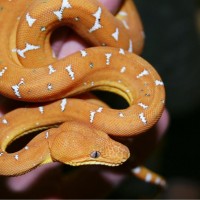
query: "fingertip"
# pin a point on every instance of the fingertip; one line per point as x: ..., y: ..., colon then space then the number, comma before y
x: 163, y: 124
x: 113, y: 5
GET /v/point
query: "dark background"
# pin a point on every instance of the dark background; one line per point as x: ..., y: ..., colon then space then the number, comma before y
x: 173, y: 48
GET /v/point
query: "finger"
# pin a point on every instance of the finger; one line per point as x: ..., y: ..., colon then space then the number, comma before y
x: 112, y: 5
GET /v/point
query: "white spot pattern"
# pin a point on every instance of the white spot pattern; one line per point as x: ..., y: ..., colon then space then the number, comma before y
x: 83, y: 53
x: 136, y: 170
x: 143, y: 73
x: 71, y: 73
x: 43, y: 28
x: 143, y: 118
x: 30, y: 20
x: 16, y: 157
x: 3, y: 71
x: 158, y: 180
x: 46, y: 135
x: 148, y: 177
x: 125, y: 24
x: 130, y: 49
x: 121, y: 115
x: 108, y: 56
x: 121, y: 51
x: 123, y: 69
x: 123, y: 13
x: 93, y: 113
x: 157, y: 82
x: 100, y: 109
x: 97, y: 24
x: 4, y: 121
x: 51, y: 69
x: 143, y: 105
x: 26, y: 147
x: 115, y: 35
x: 28, y: 47
x: 41, y: 109
x: 49, y: 86
x: 65, y: 5
x: 16, y: 88
x: 63, y: 104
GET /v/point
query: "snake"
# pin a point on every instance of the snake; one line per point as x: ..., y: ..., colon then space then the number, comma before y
x: 74, y: 131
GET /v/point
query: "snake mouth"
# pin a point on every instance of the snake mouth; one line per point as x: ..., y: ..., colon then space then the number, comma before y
x: 94, y: 163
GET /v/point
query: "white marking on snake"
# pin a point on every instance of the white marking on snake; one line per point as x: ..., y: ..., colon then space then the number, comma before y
x: 123, y: 69
x: 148, y: 177
x: 28, y: 47
x: 63, y: 104
x: 121, y: 115
x: 92, y: 83
x: 115, y: 35
x: 125, y: 24
x: 71, y: 73
x: 30, y: 20
x: 136, y: 170
x: 108, y: 56
x: 143, y: 105
x: 157, y: 82
x: 51, y: 69
x: 123, y: 13
x: 16, y: 88
x: 41, y: 109
x: 158, y: 180
x: 3, y: 71
x: 1, y: 154
x: 26, y: 147
x: 16, y: 157
x: 93, y: 113
x: 46, y: 135
x: 43, y: 28
x: 59, y: 13
x: 130, y: 49
x: 121, y: 51
x: 143, y: 118
x: 83, y: 53
x: 4, y: 121
x: 97, y: 24
x: 143, y: 73
x: 99, y: 110
x: 49, y: 86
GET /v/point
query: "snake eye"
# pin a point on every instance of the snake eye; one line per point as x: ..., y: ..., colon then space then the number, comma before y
x: 95, y: 154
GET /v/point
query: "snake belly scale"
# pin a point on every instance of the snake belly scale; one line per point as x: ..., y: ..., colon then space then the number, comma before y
x: 30, y: 72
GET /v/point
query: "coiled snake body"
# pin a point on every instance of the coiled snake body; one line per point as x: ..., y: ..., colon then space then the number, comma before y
x: 30, y: 72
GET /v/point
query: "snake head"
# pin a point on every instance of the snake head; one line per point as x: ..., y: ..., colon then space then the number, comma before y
x: 78, y: 144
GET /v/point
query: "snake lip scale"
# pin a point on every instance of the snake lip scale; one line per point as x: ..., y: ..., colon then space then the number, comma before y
x: 75, y: 130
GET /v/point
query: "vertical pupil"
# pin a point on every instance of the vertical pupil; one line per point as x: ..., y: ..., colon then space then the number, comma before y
x: 95, y: 154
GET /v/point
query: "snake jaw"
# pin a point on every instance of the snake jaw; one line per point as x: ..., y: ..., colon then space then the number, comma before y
x: 107, y: 161
x: 93, y: 162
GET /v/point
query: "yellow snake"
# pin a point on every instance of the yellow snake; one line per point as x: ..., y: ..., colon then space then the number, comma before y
x: 76, y: 131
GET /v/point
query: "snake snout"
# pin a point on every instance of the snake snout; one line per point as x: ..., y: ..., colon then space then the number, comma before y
x: 119, y: 153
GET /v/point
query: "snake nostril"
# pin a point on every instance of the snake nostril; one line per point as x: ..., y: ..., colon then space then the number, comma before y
x: 95, y: 154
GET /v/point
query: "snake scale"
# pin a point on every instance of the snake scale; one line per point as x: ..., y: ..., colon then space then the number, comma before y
x: 74, y: 131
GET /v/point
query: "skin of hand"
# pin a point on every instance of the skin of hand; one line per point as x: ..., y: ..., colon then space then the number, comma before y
x: 50, y: 181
